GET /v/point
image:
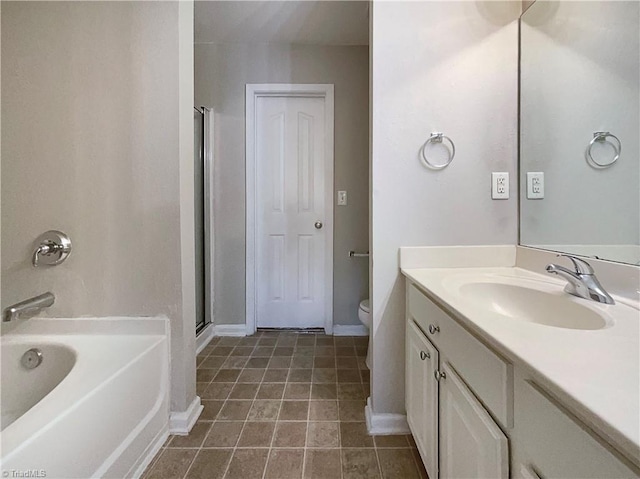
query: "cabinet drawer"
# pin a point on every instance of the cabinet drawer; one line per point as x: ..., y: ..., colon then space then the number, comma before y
x: 488, y: 375
x: 557, y: 446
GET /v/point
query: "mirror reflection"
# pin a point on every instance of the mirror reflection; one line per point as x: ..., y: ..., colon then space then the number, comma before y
x: 579, y: 128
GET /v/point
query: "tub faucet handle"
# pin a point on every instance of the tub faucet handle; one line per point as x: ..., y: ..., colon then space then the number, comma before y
x: 52, y: 248
x: 44, y: 249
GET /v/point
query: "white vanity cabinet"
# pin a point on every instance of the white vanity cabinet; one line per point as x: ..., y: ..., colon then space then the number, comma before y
x: 471, y: 443
x: 474, y: 415
x: 422, y: 395
x: 549, y: 442
x: 456, y: 436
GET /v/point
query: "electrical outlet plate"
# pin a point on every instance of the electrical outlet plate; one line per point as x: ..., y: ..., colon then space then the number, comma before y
x: 535, y: 185
x: 500, y: 185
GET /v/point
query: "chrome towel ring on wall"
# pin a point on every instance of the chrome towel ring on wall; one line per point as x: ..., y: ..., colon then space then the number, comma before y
x: 601, y: 137
x: 437, y: 138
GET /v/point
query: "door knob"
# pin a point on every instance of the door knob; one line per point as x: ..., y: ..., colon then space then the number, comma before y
x: 318, y: 225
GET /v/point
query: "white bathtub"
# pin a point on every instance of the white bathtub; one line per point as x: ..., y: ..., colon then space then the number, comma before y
x: 97, y: 406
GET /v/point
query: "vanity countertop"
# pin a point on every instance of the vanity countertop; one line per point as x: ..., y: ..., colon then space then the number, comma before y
x: 595, y: 373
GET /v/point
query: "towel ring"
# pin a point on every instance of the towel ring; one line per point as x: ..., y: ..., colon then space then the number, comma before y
x: 437, y: 137
x: 601, y: 137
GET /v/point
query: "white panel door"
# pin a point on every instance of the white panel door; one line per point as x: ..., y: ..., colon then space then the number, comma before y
x: 471, y: 444
x: 422, y: 395
x: 290, y: 233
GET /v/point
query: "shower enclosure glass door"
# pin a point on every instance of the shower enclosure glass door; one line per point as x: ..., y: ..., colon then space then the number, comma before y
x: 201, y: 219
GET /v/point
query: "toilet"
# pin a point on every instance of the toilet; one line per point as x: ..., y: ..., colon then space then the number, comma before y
x: 364, y: 313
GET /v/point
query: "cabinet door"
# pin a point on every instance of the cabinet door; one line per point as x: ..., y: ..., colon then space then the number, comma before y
x: 556, y: 445
x: 422, y: 396
x: 471, y: 443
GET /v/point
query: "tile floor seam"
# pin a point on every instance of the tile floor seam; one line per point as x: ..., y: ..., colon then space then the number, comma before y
x: 306, y: 432
x: 415, y: 460
x: 377, y: 456
x: 313, y: 368
x: 215, y: 418
x: 273, y: 438
x: 223, y: 406
x: 266, y: 465
x: 338, y: 404
x: 246, y: 419
x: 193, y: 460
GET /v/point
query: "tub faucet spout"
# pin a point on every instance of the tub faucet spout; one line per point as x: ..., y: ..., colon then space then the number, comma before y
x: 581, y: 282
x: 28, y: 306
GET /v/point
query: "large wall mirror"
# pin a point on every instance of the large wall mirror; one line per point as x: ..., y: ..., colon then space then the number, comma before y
x: 580, y: 128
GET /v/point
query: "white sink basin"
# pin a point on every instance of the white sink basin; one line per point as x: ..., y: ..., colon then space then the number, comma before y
x: 523, y: 298
x: 533, y: 305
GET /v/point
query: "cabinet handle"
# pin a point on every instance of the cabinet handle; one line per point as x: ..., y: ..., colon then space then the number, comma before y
x: 424, y: 355
x: 433, y: 329
x: 439, y: 375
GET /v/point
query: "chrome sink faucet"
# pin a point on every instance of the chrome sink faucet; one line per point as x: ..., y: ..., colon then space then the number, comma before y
x: 582, y: 282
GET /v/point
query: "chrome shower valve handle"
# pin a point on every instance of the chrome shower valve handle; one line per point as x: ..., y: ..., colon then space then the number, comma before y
x: 52, y: 248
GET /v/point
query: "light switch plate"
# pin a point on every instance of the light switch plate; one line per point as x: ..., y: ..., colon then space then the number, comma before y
x: 342, y: 198
x: 535, y: 185
x: 500, y: 185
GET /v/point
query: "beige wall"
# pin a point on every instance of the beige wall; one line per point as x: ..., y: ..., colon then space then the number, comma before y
x: 221, y: 72
x: 426, y: 79
x: 90, y: 146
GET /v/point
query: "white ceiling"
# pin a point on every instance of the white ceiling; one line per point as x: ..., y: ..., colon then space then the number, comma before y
x: 274, y: 21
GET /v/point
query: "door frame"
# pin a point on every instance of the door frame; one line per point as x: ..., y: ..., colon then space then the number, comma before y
x: 253, y: 92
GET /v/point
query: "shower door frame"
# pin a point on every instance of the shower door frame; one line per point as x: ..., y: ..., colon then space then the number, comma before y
x: 208, y: 221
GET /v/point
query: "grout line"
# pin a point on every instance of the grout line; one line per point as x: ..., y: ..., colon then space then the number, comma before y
x: 375, y: 449
x: 339, y: 421
x: 273, y: 437
x: 306, y: 432
x: 191, y: 464
x: 193, y: 460
x: 335, y: 362
x: 218, y: 413
x: 235, y: 447
x: 416, y: 457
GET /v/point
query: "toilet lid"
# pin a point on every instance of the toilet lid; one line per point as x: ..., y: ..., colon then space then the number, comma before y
x: 364, y: 306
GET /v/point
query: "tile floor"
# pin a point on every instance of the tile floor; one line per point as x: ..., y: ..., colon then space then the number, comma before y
x: 280, y: 405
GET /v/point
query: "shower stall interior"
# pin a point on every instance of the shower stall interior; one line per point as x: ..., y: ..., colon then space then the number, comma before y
x: 203, y: 216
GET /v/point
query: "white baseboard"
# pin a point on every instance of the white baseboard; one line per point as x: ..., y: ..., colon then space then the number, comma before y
x: 180, y: 423
x: 385, y: 424
x: 230, y: 330
x: 204, y: 338
x: 350, y: 330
